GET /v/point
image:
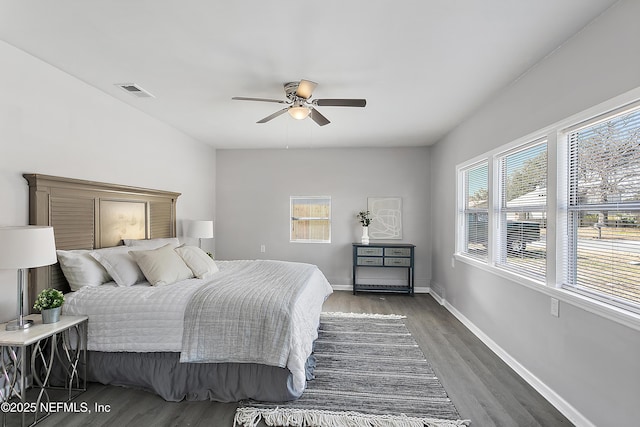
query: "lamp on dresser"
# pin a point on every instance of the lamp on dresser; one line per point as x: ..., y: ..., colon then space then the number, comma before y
x: 21, y: 248
x: 201, y: 230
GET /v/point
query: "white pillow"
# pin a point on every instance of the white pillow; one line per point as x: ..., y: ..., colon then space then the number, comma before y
x: 198, y: 261
x: 80, y: 269
x: 152, y: 243
x: 162, y: 266
x: 119, y: 264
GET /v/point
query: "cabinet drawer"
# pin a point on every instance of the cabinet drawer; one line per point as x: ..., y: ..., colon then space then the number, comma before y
x: 369, y: 261
x: 397, y: 251
x: 369, y: 251
x: 399, y: 262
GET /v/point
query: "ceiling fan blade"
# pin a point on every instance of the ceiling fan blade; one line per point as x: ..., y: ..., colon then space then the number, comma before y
x: 340, y: 102
x: 318, y: 118
x: 305, y: 88
x: 273, y: 116
x: 242, y: 98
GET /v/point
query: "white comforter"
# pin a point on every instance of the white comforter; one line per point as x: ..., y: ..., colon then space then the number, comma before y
x: 142, y: 318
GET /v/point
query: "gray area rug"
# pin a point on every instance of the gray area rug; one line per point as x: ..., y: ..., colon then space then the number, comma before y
x: 369, y: 372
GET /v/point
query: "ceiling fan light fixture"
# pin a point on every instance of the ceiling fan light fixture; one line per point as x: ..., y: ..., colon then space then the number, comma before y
x: 299, y: 104
x: 298, y: 112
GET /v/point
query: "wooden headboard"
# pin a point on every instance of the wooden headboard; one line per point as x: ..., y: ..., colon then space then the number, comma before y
x: 91, y: 215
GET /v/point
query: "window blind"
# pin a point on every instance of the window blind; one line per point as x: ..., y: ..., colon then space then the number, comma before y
x: 603, y: 246
x: 474, y: 216
x: 522, y: 211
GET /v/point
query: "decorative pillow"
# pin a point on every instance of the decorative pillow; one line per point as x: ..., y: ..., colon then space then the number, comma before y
x: 152, y: 243
x: 119, y: 264
x: 198, y: 261
x: 80, y: 269
x: 162, y: 266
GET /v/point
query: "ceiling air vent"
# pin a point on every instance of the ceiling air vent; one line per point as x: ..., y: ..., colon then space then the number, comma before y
x: 134, y: 90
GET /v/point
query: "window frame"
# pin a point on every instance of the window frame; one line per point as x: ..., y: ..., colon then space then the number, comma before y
x: 569, y: 248
x: 462, y: 210
x: 501, y: 210
x: 292, y: 219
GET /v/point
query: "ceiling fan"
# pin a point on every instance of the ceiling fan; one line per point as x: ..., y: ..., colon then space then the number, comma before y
x: 299, y: 103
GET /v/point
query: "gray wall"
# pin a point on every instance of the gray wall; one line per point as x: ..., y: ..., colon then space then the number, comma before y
x: 52, y: 123
x: 254, y: 186
x: 587, y: 363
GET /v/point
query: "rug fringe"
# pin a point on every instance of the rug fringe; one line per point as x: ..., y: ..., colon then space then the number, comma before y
x: 283, y: 417
x: 364, y: 315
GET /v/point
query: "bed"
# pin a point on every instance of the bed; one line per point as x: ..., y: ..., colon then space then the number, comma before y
x: 219, y: 330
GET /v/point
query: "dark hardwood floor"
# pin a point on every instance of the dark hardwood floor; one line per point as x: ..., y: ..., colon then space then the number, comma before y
x: 482, y: 387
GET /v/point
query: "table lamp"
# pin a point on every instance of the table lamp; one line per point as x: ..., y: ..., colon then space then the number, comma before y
x: 22, y: 248
x: 201, y: 230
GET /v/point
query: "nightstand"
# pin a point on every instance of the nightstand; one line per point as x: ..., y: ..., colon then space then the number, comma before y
x: 63, y: 343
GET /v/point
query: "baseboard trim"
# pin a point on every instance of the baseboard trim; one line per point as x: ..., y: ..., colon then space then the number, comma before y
x: 552, y: 397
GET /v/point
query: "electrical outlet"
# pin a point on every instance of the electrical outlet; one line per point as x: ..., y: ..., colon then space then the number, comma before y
x: 555, y: 307
x: 453, y: 262
x: 263, y: 248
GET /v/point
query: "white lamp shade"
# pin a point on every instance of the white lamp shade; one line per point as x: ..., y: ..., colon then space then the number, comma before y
x: 200, y: 229
x: 299, y: 112
x: 27, y: 247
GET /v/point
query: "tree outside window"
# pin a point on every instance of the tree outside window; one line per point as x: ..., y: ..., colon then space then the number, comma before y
x: 604, y: 208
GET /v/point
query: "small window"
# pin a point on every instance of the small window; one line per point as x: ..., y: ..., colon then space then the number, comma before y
x: 311, y: 219
x: 473, y: 217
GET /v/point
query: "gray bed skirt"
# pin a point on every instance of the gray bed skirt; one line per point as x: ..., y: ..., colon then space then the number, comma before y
x: 164, y: 375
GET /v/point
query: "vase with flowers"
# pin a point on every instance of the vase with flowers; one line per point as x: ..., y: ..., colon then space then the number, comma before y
x: 365, y: 219
x: 49, y: 302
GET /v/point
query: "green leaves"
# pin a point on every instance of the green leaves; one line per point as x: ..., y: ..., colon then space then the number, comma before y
x: 364, y: 218
x: 49, y: 298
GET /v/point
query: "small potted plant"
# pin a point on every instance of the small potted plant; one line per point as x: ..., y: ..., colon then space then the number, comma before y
x: 365, y: 220
x: 49, y: 302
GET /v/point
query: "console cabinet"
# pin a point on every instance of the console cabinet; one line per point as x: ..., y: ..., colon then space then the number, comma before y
x: 384, y: 255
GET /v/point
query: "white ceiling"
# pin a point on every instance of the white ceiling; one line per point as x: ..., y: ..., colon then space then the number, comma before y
x: 422, y: 65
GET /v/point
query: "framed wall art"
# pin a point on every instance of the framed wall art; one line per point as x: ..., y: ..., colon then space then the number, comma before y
x: 386, y: 217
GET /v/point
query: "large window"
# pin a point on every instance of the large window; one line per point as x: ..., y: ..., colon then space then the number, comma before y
x: 474, y: 216
x: 311, y: 219
x: 522, y: 210
x: 560, y: 209
x: 604, y: 208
